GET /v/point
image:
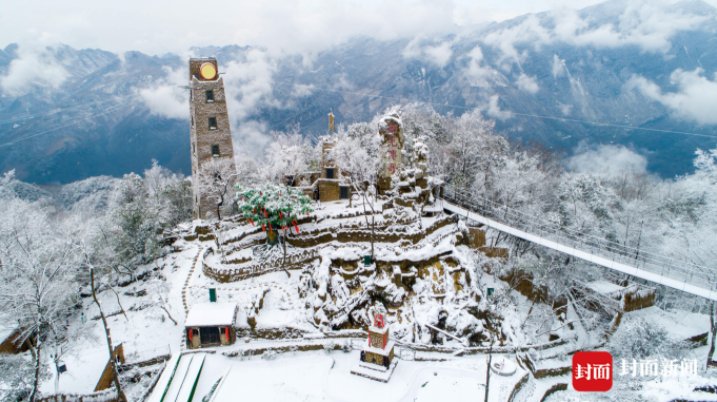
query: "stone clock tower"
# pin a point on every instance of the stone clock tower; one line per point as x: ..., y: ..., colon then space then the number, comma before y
x: 210, y: 135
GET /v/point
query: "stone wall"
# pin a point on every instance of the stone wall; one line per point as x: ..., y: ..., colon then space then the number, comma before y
x: 9, y: 344
x: 108, y: 395
x: 226, y: 274
x: 638, y: 297
x: 518, y: 387
x: 328, y: 189
x: 553, y: 389
x: 476, y: 238
x: 315, y: 238
x: 495, y: 252
x: 522, y: 282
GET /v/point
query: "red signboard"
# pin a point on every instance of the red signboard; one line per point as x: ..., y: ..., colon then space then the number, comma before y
x: 592, y: 371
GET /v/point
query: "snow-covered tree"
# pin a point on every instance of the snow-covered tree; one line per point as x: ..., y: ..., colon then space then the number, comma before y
x: 359, y: 164
x: 38, y: 287
x: 216, y: 179
x: 169, y: 195
x: 473, y: 148
x: 287, y: 155
x: 422, y: 122
x: 134, y: 224
x: 15, y: 377
x: 248, y: 172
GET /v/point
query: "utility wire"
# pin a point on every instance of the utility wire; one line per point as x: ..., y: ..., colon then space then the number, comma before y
x: 75, y: 122
x: 75, y: 107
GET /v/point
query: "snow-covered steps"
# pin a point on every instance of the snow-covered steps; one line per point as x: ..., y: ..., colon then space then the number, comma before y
x: 200, y: 253
x: 373, y: 371
x: 179, y: 380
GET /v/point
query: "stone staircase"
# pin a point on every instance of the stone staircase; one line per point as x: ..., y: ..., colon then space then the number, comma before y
x: 185, y: 287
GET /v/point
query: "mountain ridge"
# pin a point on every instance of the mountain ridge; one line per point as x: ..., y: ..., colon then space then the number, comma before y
x: 564, y: 80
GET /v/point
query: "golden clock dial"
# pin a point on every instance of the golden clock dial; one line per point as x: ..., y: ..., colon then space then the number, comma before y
x: 208, y: 71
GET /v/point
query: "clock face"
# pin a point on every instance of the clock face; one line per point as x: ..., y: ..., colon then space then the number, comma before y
x: 208, y: 71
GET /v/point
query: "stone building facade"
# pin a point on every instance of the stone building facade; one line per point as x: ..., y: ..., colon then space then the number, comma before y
x: 326, y: 184
x: 210, y: 134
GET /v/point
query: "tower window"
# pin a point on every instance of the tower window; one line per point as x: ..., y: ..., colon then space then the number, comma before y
x: 210, y: 96
x: 215, y: 150
x: 212, y: 123
x: 329, y: 173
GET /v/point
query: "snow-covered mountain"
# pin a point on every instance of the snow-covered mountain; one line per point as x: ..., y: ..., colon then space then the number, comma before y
x: 561, y: 80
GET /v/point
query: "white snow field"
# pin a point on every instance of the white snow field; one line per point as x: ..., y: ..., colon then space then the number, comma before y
x: 325, y: 376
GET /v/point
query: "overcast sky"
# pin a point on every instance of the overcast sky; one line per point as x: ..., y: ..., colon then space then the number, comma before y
x: 159, y: 26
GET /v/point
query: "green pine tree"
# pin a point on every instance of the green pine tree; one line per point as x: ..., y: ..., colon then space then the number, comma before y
x: 274, y: 208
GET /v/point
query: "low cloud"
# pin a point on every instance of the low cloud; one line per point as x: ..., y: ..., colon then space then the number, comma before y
x: 495, y: 111
x: 608, y: 160
x: 249, y: 84
x: 565, y: 108
x: 251, y: 137
x: 694, y: 99
x: 647, y: 25
x: 34, y: 68
x: 168, y: 97
x: 301, y: 90
x: 478, y: 73
x: 527, y: 83
x: 558, y: 67
x: 438, y: 54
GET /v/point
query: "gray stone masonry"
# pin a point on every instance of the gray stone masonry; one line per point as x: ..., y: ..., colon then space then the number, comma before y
x: 210, y: 134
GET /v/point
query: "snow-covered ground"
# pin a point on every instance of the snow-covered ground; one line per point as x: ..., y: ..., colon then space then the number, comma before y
x: 287, y: 320
x: 325, y: 376
x: 145, y: 332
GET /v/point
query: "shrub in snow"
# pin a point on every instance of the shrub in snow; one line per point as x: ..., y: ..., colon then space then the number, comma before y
x: 269, y: 355
x: 637, y: 339
x: 15, y: 377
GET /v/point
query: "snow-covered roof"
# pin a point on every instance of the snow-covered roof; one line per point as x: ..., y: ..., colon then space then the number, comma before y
x: 211, y: 315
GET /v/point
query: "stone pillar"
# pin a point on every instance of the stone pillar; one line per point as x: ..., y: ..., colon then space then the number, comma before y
x: 391, y: 133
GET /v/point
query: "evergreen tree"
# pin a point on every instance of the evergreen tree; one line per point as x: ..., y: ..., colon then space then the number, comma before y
x: 275, y: 208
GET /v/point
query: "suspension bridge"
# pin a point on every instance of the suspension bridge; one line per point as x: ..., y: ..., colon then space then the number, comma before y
x: 656, y: 268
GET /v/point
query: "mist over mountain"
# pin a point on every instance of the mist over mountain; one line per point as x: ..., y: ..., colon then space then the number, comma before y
x: 564, y: 80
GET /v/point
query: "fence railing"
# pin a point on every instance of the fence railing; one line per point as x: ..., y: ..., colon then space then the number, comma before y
x: 682, y: 271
